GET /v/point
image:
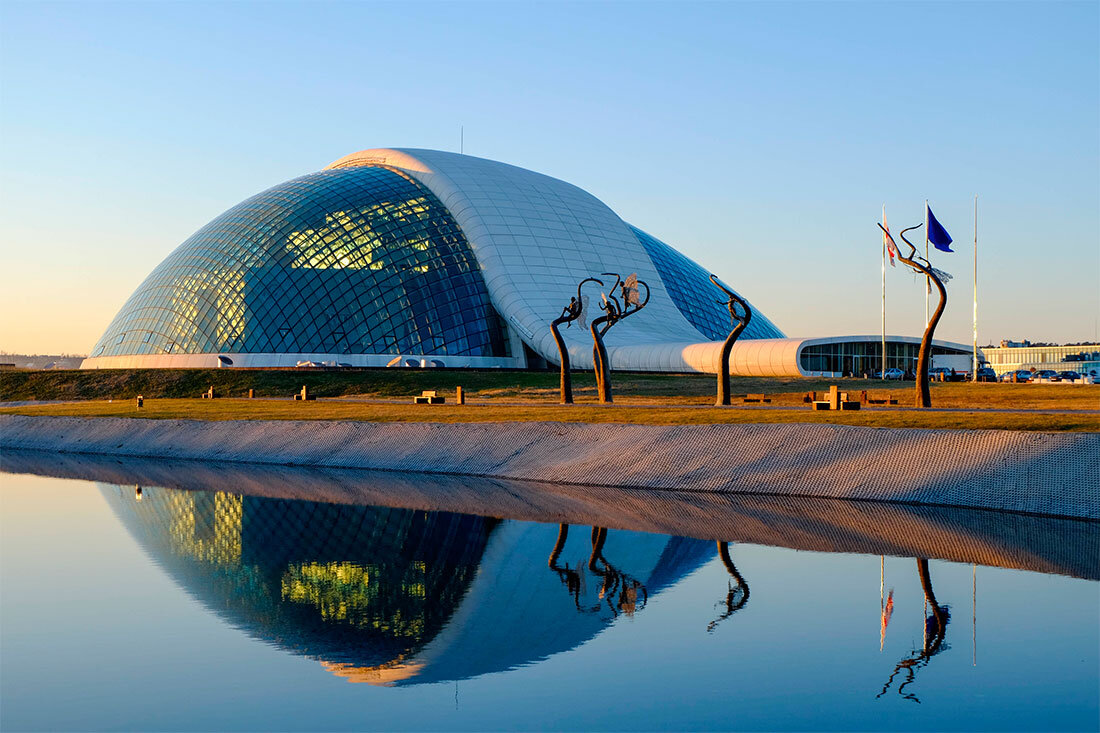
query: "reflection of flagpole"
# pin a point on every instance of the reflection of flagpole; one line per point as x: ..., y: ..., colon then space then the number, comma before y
x: 883, y: 374
x: 881, y: 599
x: 975, y: 372
x: 885, y: 602
x: 881, y: 582
x: 974, y: 615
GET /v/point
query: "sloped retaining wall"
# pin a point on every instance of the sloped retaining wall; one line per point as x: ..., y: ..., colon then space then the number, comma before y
x: 1042, y: 473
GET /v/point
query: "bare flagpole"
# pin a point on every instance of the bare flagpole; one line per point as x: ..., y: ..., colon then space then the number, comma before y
x: 975, y: 372
x: 927, y: 280
x: 883, y: 374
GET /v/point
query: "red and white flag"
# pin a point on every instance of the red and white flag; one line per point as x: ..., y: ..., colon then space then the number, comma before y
x: 888, y: 241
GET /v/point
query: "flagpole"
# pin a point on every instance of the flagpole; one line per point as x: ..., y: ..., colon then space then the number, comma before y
x: 927, y: 280
x: 974, y: 615
x: 883, y: 373
x: 975, y: 372
x: 881, y: 599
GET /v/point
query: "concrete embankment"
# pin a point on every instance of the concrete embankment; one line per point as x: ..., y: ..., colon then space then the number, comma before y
x: 1042, y: 473
x: 965, y: 535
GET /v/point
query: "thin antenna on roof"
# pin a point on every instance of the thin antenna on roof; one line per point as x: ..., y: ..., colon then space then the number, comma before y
x: 461, y: 138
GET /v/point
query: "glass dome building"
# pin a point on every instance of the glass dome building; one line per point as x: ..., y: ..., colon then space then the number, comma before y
x: 395, y: 257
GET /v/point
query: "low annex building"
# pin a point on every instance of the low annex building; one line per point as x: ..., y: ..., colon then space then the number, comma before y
x: 404, y: 257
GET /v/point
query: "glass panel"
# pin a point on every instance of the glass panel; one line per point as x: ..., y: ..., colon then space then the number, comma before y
x: 691, y: 290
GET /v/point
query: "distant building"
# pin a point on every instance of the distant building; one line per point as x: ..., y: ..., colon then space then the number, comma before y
x: 40, y: 361
x: 1014, y: 355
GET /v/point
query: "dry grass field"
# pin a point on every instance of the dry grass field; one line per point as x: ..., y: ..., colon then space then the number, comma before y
x: 494, y: 395
x: 334, y: 409
x: 497, y: 386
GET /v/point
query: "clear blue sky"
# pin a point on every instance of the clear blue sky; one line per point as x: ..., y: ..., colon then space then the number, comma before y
x: 759, y: 138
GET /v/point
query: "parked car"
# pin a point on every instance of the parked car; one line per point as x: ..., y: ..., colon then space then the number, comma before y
x: 1047, y: 374
x: 985, y: 374
x: 1069, y: 376
x: 890, y: 374
x: 949, y: 375
x: 1022, y: 375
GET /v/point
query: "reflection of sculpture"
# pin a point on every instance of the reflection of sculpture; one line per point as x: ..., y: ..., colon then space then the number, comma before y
x: 935, y: 629
x: 737, y: 595
x: 923, y: 266
x: 619, y: 591
x: 571, y: 578
x: 576, y: 310
x: 614, y: 311
x: 739, y: 321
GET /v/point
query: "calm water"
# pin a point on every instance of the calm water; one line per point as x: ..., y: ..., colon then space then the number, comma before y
x: 212, y: 610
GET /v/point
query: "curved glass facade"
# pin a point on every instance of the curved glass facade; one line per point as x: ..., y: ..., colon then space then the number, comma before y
x: 348, y: 261
x: 865, y: 357
x: 691, y: 290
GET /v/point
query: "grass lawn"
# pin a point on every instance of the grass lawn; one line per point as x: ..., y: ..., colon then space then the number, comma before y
x: 243, y: 409
x: 509, y: 386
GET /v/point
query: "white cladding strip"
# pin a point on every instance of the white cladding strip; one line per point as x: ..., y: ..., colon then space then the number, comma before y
x: 535, y: 238
x: 275, y: 360
x: 749, y: 358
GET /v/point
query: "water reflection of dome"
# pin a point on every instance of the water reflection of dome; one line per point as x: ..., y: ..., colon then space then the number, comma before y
x: 391, y: 596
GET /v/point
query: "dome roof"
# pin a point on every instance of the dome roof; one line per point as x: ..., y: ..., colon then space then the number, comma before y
x: 355, y: 260
x: 392, y: 254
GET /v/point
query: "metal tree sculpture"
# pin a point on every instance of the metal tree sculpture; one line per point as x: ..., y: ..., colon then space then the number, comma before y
x: 919, y: 264
x: 614, y: 311
x: 738, y: 321
x: 576, y: 310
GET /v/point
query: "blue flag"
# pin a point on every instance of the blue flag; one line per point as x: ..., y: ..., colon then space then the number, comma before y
x: 937, y: 235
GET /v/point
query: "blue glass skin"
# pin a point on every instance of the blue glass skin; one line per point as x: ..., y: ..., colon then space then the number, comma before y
x: 691, y: 290
x: 350, y: 261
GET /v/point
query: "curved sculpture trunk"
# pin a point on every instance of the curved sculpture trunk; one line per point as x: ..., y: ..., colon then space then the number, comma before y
x: 724, y: 364
x: 563, y: 352
x: 602, y: 367
x: 924, y: 356
x: 733, y: 302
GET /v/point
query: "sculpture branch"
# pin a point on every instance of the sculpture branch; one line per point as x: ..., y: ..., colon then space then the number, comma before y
x: 614, y: 311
